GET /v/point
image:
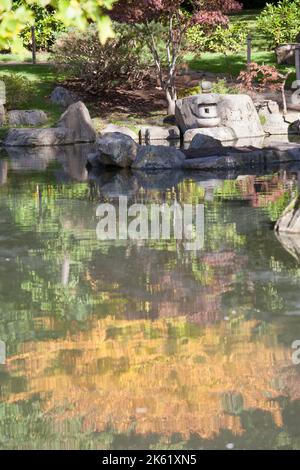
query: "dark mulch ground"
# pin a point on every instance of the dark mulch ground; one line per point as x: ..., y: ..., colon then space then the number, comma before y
x: 140, y: 102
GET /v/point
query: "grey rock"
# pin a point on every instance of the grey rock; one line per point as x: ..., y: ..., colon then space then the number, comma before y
x: 116, y: 149
x: 289, y: 222
x: 291, y: 243
x: 33, y: 117
x: 77, y: 118
x: 236, y: 161
x: 63, y: 97
x: 223, y: 134
x: 242, y: 158
x: 120, y: 129
x: 158, y: 158
x: 271, y: 119
x: 39, y: 137
x: 201, y: 141
x: 93, y: 159
x: 150, y: 134
x: 236, y: 112
x: 187, y: 111
x: 286, y: 54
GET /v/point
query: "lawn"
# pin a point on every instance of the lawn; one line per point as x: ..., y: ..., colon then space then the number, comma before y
x: 44, y: 77
x: 232, y: 64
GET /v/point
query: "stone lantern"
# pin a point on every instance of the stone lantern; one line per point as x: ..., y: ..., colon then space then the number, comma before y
x: 208, y: 111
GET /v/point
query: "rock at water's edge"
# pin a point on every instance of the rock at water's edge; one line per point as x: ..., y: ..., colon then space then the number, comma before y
x: 159, y: 157
x: 289, y: 222
x: 116, y: 149
x: 39, y: 137
x: 78, y: 119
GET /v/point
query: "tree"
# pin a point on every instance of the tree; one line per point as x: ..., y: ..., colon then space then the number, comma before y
x: 77, y: 13
x: 163, y: 25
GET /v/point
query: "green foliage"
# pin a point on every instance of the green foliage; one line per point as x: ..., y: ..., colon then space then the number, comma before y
x: 222, y: 88
x: 222, y: 40
x: 78, y: 13
x: 18, y: 89
x: 47, y: 29
x: 189, y: 92
x: 280, y: 23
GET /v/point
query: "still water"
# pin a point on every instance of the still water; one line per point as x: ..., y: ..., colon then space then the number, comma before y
x: 143, y: 344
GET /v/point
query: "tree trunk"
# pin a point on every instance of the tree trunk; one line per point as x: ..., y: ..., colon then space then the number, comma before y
x: 33, y: 43
x: 171, y: 98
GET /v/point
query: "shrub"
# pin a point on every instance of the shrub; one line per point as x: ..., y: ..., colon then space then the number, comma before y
x: 280, y: 23
x: 18, y: 90
x: 222, y: 88
x: 219, y: 87
x: 120, y: 61
x: 223, y: 40
x: 260, y: 78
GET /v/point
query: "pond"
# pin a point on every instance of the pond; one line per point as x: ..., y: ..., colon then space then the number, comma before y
x: 143, y: 344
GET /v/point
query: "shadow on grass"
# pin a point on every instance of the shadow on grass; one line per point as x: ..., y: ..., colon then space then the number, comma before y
x: 231, y: 64
x: 44, y: 77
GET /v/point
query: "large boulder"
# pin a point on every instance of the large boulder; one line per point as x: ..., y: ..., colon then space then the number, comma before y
x: 271, y: 119
x: 39, y: 137
x: 239, y: 113
x: 290, y: 243
x: 116, y: 149
x: 201, y: 141
x: 236, y: 112
x: 286, y: 54
x: 78, y: 119
x: 63, y: 97
x: 33, y: 117
x: 289, y: 222
x: 223, y: 134
x: 158, y: 158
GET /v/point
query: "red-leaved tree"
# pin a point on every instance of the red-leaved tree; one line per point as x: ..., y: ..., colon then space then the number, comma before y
x: 163, y: 24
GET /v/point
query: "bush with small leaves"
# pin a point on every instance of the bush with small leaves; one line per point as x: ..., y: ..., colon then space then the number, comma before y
x: 19, y: 90
x: 280, y: 24
x: 223, y: 39
x: 121, y: 61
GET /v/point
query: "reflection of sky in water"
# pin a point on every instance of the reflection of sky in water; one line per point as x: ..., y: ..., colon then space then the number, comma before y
x: 145, y: 345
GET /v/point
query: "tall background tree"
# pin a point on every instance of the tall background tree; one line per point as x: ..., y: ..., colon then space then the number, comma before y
x: 163, y: 25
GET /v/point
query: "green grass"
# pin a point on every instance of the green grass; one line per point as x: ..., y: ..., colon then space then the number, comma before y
x: 249, y: 17
x: 41, y: 57
x: 232, y: 64
x: 44, y: 77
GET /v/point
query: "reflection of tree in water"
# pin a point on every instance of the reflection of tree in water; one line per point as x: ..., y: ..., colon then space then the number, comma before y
x: 200, y: 386
x: 164, y: 382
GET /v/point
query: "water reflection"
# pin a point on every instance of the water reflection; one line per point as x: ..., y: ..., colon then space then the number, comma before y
x: 143, y: 344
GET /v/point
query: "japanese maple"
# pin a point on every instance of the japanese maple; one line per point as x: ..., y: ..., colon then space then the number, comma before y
x: 174, y: 21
